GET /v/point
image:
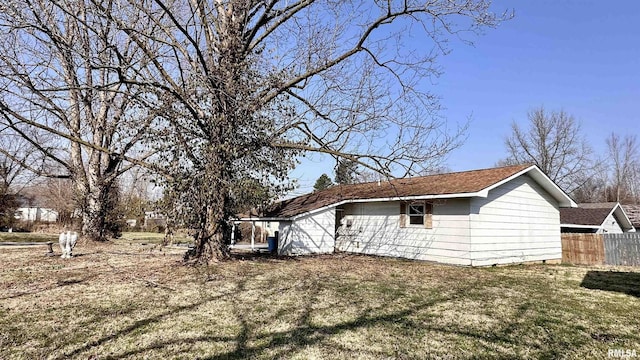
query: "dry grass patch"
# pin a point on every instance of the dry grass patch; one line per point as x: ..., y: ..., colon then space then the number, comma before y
x: 130, y: 301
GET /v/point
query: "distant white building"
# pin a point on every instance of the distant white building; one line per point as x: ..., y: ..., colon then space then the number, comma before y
x: 30, y: 210
x: 154, y: 218
x: 36, y: 213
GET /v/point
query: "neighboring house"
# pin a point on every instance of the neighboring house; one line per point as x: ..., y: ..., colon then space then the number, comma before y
x: 596, y: 218
x: 154, y: 219
x: 481, y: 217
x: 29, y: 210
x: 36, y: 213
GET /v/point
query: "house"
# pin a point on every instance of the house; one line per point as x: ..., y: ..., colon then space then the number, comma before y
x: 596, y: 218
x: 32, y: 211
x: 36, y: 213
x: 155, y: 219
x: 481, y: 217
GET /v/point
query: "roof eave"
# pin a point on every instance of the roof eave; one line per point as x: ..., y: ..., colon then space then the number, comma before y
x: 482, y: 193
x: 578, y: 226
x: 622, y: 218
x: 257, y: 218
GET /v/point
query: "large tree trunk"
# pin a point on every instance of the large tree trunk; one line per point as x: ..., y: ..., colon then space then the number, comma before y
x: 92, y: 198
x: 211, y: 204
x: 211, y: 239
x: 93, y: 214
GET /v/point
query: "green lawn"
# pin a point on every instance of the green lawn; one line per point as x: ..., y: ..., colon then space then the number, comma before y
x: 139, y: 302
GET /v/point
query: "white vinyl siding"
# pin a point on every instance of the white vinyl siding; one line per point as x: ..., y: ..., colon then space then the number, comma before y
x: 376, y: 230
x: 310, y: 234
x: 519, y: 221
x: 610, y: 226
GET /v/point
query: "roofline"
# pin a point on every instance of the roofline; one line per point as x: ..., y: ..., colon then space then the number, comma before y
x: 554, y: 190
x: 253, y: 218
x: 394, y: 198
x: 351, y: 201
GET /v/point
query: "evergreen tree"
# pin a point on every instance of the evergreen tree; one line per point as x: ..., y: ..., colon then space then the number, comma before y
x: 323, y: 182
x: 346, y: 172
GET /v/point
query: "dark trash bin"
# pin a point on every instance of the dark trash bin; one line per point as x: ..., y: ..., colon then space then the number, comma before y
x: 272, y: 244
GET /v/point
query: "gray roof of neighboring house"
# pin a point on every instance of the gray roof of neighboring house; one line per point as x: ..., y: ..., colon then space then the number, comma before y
x: 633, y: 212
x: 594, y: 215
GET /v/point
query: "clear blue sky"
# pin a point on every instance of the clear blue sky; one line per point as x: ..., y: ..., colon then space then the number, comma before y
x: 579, y: 56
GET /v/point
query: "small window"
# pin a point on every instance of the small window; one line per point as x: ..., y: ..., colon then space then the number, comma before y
x: 416, y: 214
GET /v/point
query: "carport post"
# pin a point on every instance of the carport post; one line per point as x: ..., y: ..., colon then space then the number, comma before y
x: 253, y: 234
x: 233, y: 233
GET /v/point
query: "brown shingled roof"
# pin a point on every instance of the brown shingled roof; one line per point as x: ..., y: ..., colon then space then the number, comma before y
x: 586, y: 214
x: 441, y: 184
x: 633, y: 211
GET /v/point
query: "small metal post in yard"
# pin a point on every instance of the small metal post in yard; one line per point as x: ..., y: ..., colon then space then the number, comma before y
x: 253, y: 235
x: 50, y: 249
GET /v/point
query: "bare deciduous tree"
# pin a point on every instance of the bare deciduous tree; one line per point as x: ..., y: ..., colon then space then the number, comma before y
x: 253, y: 84
x: 554, y: 142
x: 55, y: 193
x: 235, y: 91
x: 623, y: 157
x: 60, y: 89
x: 14, y: 152
x: 13, y: 176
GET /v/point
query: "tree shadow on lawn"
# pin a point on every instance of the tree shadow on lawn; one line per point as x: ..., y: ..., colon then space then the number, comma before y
x: 140, y: 324
x: 250, y: 342
x: 60, y: 282
x: 158, y: 318
x: 401, y: 324
x: 617, y: 281
x: 277, y: 344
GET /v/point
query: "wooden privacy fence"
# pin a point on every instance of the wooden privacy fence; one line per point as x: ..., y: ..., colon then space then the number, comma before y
x: 601, y: 249
x: 584, y: 249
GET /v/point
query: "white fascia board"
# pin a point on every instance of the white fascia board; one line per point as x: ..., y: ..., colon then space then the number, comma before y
x: 543, y: 180
x: 621, y: 217
x: 261, y: 219
x: 482, y: 193
x: 576, y: 226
